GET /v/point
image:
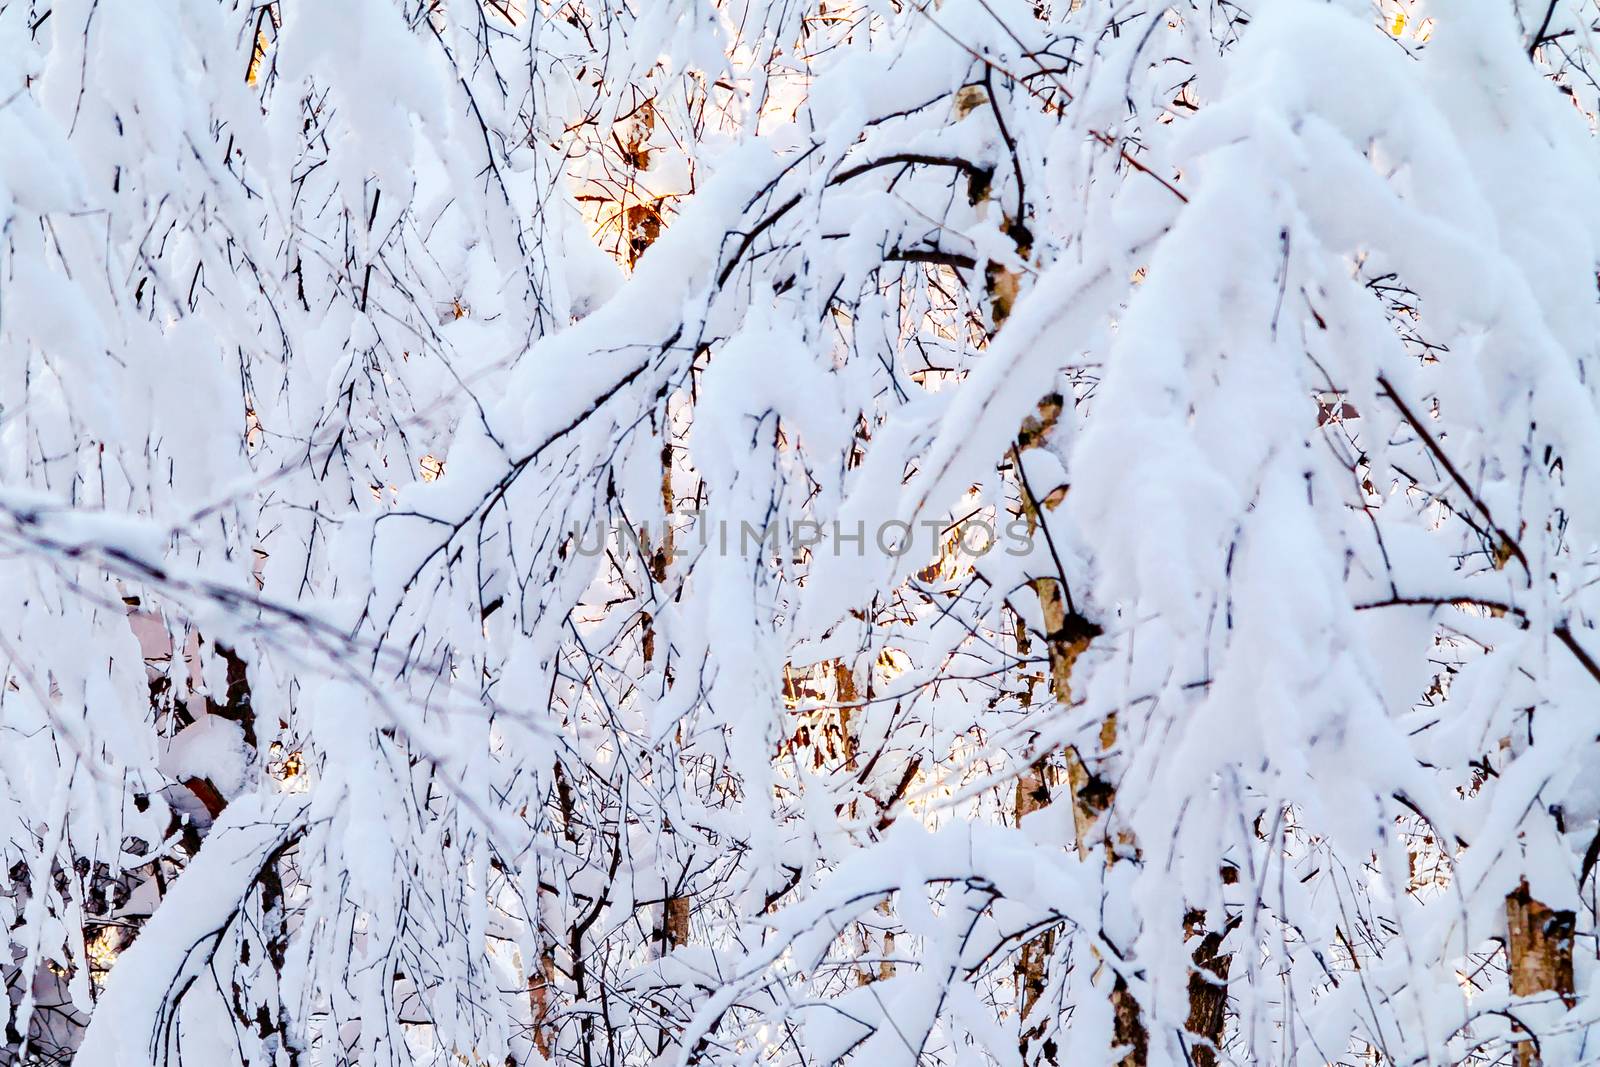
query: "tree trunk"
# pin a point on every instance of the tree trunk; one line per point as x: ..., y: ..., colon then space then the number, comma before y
x: 1129, y: 1026
x: 1539, y: 955
x: 1208, y: 993
x: 540, y: 985
x: 1033, y: 793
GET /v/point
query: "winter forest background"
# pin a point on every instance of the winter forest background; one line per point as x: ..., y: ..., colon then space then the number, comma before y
x: 379, y: 380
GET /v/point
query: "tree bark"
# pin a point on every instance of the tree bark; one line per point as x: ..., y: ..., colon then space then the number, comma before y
x: 1539, y: 955
x: 1033, y: 793
x: 1208, y: 993
x: 1128, y: 1027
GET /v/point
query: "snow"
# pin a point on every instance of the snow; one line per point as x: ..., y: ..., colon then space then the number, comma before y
x: 333, y: 340
x: 212, y: 749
